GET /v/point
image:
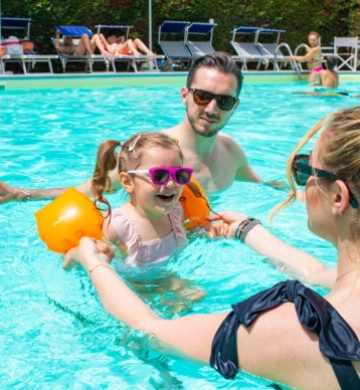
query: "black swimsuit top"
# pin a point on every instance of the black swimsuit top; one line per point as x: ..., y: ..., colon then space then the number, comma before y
x: 337, y: 341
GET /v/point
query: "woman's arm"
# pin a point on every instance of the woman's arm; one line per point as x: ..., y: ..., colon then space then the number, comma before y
x: 308, y: 56
x: 288, y: 345
x: 190, y: 335
x: 288, y: 259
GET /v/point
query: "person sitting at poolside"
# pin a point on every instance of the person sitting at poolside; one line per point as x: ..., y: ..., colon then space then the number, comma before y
x: 313, y: 57
x: 288, y: 333
x: 329, y: 77
x: 119, y: 46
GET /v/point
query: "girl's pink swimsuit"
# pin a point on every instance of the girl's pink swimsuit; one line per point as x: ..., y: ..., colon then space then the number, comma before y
x: 147, y: 252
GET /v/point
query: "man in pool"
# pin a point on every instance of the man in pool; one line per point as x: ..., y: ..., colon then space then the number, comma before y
x: 211, y: 98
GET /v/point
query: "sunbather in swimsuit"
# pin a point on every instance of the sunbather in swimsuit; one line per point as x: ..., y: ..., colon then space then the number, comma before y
x: 71, y: 49
x: 337, y: 340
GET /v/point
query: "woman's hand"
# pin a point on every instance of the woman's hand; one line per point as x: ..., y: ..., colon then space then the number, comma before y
x: 230, y: 222
x: 89, y: 253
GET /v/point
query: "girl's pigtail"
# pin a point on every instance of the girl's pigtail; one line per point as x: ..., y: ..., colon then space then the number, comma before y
x: 106, y: 161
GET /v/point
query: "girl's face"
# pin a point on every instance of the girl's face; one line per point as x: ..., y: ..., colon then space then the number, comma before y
x: 148, y: 198
x: 313, y: 40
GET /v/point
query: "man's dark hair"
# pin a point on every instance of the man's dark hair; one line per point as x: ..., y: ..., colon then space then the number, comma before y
x: 331, y: 62
x: 219, y: 60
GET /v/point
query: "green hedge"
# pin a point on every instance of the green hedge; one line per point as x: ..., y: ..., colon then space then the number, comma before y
x: 328, y: 17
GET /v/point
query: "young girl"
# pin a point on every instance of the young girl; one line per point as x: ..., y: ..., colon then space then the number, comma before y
x: 313, y: 57
x: 149, y: 227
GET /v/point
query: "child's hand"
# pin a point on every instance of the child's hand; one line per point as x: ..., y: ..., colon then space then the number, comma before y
x: 88, y: 252
x: 219, y: 229
x: 229, y: 218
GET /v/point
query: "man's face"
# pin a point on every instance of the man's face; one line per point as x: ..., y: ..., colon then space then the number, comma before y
x: 207, y: 120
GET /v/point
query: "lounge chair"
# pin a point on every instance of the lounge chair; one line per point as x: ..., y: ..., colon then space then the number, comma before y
x: 88, y: 60
x: 247, y: 51
x: 200, y: 48
x: 27, y: 62
x: 346, y: 49
x: 145, y: 62
x: 175, y: 50
x: 275, y: 52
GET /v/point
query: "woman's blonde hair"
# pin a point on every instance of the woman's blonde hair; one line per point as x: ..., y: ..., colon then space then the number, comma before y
x: 128, y: 158
x: 338, y: 153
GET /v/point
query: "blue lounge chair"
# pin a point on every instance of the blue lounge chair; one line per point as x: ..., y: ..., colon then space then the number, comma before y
x: 175, y: 49
x: 76, y: 32
x: 199, y: 48
x: 247, y: 51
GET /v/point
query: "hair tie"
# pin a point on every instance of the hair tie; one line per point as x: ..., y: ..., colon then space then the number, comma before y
x: 121, y: 143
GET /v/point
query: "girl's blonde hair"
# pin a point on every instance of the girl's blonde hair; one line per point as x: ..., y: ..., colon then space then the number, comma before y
x: 128, y: 158
x: 338, y: 152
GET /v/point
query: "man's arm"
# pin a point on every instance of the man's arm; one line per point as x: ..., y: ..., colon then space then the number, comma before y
x: 14, y: 194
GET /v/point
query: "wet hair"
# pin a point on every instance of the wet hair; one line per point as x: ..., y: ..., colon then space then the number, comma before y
x: 128, y: 158
x: 338, y: 152
x: 218, y: 60
x: 331, y: 62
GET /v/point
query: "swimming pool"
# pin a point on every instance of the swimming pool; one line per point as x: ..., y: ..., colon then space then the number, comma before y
x: 55, y: 333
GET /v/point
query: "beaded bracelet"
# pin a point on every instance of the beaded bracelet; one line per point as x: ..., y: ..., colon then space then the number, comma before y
x: 26, y: 196
x: 245, y: 226
x: 99, y: 265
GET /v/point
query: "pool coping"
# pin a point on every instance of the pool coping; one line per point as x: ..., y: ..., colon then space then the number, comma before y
x: 107, y: 79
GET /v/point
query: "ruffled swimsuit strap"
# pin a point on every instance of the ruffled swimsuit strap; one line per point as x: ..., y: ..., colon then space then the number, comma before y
x: 337, y: 341
x: 175, y: 216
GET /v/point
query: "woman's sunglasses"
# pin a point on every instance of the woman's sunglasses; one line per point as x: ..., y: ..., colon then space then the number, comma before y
x: 224, y: 102
x: 161, y: 176
x: 302, y: 171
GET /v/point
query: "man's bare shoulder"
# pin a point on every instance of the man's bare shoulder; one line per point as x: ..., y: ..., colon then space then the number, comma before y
x: 172, y: 131
x: 228, y: 142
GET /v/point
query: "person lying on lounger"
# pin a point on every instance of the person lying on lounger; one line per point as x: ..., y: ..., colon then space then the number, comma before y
x: 85, y: 46
x: 120, y: 46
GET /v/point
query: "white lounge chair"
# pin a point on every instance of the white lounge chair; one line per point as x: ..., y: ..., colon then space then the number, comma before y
x: 346, y: 49
x: 275, y: 52
x: 145, y: 62
x: 88, y: 60
x: 247, y: 51
x: 199, y: 48
x: 26, y: 61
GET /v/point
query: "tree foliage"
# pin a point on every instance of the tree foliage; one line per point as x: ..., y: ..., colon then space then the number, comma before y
x: 328, y: 17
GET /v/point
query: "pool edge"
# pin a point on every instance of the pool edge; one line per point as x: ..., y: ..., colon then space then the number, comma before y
x: 106, y: 79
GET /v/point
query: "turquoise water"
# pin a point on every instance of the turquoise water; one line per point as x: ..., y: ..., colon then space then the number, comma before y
x: 55, y: 333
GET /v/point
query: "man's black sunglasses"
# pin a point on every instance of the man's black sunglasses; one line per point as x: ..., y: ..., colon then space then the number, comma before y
x: 302, y: 171
x: 224, y: 102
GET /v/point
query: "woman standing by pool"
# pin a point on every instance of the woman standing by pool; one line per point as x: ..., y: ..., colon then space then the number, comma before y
x: 313, y: 57
x: 290, y: 334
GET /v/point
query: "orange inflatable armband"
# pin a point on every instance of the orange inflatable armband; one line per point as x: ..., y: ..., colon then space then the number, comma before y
x: 196, y: 208
x: 66, y: 219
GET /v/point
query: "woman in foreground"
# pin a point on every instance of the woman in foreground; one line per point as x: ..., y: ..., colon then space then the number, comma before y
x: 287, y: 333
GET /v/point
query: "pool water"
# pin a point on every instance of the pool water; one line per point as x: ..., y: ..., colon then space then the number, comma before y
x: 55, y: 333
